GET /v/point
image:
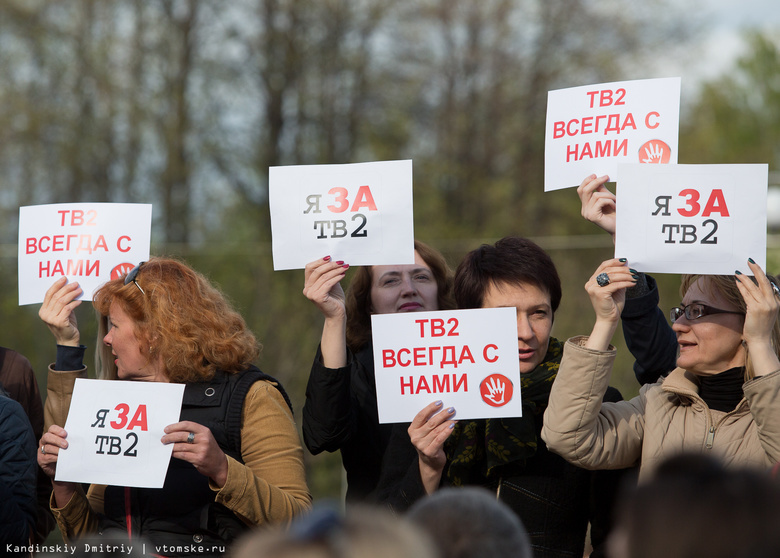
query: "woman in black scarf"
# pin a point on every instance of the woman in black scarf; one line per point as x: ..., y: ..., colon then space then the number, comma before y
x: 553, y: 499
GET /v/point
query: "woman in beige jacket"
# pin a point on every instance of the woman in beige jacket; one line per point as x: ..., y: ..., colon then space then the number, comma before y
x: 722, y: 398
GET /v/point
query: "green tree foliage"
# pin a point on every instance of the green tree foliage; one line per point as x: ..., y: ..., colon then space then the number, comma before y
x: 185, y: 104
x: 736, y: 118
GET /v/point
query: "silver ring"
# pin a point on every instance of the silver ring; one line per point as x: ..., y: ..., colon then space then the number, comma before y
x: 775, y: 288
x: 602, y: 279
x: 43, y: 449
x: 191, y: 438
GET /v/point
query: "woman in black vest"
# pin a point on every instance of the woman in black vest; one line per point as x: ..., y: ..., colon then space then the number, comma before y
x: 237, y: 459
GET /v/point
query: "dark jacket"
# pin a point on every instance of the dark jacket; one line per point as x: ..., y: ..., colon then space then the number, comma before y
x: 18, y: 469
x: 340, y: 413
x: 183, y: 512
x: 18, y: 379
x: 649, y: 337
x: 554, y: 499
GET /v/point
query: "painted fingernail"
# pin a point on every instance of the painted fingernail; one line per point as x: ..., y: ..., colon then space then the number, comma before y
x: 345, y: 266
x: 624, y: 260
x: 340, y: 262
x: 451, y: 410
x: 737, y: 272
x: 438, y: 403
x: 633, y: 271
x: 751, y: 260
x: 635, y: 277
x: 326, y: 259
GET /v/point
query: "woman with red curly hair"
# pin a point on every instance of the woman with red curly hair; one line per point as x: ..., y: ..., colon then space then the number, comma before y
x: 237, y: 458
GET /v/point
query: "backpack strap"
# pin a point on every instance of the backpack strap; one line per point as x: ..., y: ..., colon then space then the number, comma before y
x: 236, y: 403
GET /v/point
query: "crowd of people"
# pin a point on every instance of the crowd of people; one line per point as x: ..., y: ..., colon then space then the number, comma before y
x: 581, y: 472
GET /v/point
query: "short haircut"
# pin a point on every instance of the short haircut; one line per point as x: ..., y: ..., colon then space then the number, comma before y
x: 470, y: 522
x: 513, y: 260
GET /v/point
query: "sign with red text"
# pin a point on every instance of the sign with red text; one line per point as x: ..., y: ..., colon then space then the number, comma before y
x: 90, y: 243
x: 593, y: 128
x: 360, y: 213
x: 114, y: 431
x: 706, y: 219
x: 465, y: 358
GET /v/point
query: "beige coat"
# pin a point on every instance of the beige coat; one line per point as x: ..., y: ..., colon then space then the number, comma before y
x: 666, y: 418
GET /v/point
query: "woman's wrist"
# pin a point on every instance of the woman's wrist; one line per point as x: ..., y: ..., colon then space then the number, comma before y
x: 601, y: 336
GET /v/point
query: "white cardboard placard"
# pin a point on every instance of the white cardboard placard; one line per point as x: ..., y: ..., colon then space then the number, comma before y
x: 114, y: 431
x: 465, y: 358
x: 593, y: 128
x: 360, y: 213
x: 706, y: 219
x: 87, y: 242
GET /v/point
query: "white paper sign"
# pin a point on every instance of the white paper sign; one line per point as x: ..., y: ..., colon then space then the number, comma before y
x: 88, y: 242
x: 114, y: 430
x: 593, y: 128
x: 465, y: 358
x: 360, y: 213
x: 706, y: 219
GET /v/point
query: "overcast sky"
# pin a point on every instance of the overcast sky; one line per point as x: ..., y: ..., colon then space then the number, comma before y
x: 721, y: 43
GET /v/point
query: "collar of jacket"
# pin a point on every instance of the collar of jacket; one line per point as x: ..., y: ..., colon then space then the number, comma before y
x: 686, y: 385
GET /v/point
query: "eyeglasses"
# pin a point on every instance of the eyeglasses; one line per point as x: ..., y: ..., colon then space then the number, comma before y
x: 132, y: 274
x: 696, y: 311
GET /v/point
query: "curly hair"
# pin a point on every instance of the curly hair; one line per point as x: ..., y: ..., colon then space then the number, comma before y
x: 358, y: 301
x: 180, y: 316
x: 726, y: 286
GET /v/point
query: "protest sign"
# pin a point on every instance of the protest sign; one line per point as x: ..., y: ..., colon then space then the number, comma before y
x: 360, y: 213
x: 88, y: 242
x: 465, y: 358
x: 706, y: 219
x: 114, y: 430
x: 593, y: 128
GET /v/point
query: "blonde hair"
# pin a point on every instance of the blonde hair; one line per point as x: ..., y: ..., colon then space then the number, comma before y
x: 726, y: 287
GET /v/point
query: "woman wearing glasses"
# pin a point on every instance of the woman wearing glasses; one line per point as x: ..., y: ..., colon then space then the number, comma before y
x: 237, y: 458
x: 721, y: 398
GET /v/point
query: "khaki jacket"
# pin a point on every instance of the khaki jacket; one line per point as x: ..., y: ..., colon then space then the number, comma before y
x: 270, y: 487
x: 666, y: 418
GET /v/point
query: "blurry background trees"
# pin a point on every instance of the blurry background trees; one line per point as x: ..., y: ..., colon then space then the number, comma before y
x: 186, y: 103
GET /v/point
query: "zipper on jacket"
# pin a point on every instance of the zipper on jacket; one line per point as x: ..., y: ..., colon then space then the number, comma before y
x: 710, y: 437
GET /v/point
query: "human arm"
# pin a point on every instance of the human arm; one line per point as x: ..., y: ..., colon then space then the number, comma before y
x: 760, y: 319
x: 270, y: 486
x: 598, y: 204
x: 649, y: 337
x: 428, y: 431
x: 337, y: 400
x: 57, y: 312
x: 322, y: 285
x: 608, y: 300
x: 414, y: 461
x: 578, y: 426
